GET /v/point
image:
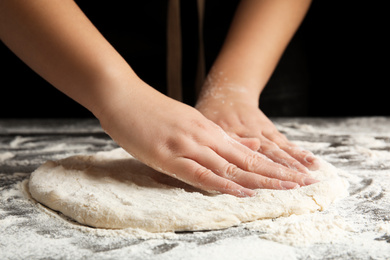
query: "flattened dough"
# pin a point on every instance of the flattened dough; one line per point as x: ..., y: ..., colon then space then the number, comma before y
x: 113, y: 190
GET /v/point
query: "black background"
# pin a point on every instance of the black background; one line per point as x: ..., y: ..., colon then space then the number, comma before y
x: 333, y: 67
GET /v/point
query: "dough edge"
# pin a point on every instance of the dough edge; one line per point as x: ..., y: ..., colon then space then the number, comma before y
x: 82, y: 188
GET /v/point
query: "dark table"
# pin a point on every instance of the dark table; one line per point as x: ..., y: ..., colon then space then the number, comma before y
x: 357, y: 227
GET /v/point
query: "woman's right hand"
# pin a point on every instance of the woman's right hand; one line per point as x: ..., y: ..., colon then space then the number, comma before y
x: 177, y: 140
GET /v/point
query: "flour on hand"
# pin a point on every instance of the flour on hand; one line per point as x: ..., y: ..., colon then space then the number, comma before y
x: 115, y: 191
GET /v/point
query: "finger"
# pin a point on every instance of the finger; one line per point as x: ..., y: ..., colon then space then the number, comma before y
x: 211, y: 160
x: 275, y: 153
x: 255, y: 162
x: 304, y: 157
x: 200, y: 177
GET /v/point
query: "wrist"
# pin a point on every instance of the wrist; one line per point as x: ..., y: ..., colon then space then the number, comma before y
x: 113, y: 93
x: 222, y: 90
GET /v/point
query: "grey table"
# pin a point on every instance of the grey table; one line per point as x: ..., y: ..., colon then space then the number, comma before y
x: 359, y: 146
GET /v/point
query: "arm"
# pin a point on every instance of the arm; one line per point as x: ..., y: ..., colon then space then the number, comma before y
x: 56, y: 40
x: 259, y: 34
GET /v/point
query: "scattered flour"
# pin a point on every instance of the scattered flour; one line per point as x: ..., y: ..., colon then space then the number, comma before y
x: 301, y: 230
x: 5, y: 156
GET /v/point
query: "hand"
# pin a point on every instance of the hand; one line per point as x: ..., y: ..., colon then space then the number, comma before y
x: 244, y: 121
x: 177, y: 140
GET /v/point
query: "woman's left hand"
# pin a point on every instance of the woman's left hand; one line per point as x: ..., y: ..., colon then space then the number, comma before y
x: 246, y: 123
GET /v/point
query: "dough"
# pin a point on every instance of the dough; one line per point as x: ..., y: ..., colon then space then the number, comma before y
x: 113, y: 190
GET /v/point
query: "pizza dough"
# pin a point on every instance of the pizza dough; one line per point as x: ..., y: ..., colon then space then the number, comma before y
x: 115, y: 191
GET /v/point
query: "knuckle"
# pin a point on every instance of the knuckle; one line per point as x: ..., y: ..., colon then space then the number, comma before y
x: 265, y: 145
x: 231, y: 171
x: 270, y: 183
x: 199, y: 125
x: 202, y: 175
x: 177, y: 144
x: 251, y: 161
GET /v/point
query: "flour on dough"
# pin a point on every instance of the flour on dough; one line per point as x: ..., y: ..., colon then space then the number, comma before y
x: 115, y: 191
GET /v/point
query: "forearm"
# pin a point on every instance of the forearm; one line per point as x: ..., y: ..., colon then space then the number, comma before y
x: 259, y: 34
x: 57, y: 41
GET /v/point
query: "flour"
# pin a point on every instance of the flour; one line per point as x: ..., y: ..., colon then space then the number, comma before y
x: 303, y: 229
x: 357, y: 227
x: 384, y: 227
x: 5, y: 156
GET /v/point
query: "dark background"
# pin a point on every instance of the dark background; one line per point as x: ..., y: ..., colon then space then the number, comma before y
x: 333, y: 67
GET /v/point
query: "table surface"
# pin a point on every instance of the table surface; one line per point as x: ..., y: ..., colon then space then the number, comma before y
x: 358, y: 146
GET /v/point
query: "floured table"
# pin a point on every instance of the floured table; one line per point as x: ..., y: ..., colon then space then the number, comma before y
x: 357, y: 227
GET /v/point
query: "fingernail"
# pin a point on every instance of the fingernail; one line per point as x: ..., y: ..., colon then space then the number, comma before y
x: 288, y: 185
x: 310, y: 159
x: 309, y: 181
x: 312, y: 162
